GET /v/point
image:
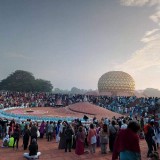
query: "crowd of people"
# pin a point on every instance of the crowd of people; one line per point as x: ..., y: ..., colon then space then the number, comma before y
x: 120, y: 104
x: 117, y: 135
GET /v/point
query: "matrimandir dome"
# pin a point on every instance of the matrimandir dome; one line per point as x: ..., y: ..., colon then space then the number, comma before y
x: 116, y: 83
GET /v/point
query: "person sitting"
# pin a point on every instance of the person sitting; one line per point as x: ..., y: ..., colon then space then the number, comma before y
x: 5, y: 141
x: 33, y: 151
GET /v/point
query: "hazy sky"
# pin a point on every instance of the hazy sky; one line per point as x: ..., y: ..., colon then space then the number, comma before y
x: 73, y: 42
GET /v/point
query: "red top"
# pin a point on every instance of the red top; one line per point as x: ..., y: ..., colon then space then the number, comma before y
x: 126, y: 140
x: 91, y: 133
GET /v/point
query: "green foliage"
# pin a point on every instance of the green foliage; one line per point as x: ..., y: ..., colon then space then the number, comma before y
x: 43, y: 86
x: 24, y: 81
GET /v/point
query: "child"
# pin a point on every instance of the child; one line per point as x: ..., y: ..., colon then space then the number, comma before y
x: 5, y: 141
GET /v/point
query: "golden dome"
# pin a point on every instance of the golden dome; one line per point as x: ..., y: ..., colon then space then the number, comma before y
x: 116, y: 82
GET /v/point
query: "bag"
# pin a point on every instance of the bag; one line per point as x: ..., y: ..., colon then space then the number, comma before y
x: 57, y: 138
x: 104, y: 140
x: 38, y: 133
x: 93, y: 139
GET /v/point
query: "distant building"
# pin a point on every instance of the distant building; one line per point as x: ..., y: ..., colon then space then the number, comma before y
x: 116, y: 83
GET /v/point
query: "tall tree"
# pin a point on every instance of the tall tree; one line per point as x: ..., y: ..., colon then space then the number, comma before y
x: 25, y: 82
x: 43, y: 85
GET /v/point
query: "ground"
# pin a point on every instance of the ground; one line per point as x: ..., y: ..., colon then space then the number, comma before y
x: 75, y: 110
x: 49, y: 152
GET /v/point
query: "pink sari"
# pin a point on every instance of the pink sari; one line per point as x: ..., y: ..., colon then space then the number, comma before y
x: 80, y: 143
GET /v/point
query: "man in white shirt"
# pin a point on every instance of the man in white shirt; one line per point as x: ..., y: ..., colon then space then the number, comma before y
x: 124, y: 125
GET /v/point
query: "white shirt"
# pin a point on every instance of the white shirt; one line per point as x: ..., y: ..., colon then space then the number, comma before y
x: 124, y: 126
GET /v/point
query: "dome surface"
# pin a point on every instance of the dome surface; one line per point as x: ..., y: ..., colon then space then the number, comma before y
x: 116, y: 82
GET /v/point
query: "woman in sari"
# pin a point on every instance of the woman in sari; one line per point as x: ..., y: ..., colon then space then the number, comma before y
x: 42, y: 129
x: 80, y: 139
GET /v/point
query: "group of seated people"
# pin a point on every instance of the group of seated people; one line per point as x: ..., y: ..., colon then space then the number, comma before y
x: 33, y: 147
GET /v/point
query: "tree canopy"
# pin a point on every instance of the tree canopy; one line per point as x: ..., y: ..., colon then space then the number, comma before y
x: 151, y: 92
x: 24, y: 81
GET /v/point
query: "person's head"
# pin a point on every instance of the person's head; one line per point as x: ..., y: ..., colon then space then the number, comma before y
x: 26, y: 126
x: 80, y: 129
x: 151, y: 123
x: 64, y: 123
x: 124, y: 121
x: 134, y: 126
x: 105, y: 128
x: 11, y: 136
x: 113, y: 123
x: 91, y: 126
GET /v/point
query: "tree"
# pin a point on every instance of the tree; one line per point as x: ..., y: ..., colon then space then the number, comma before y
x: 43, y: 86
x: 24, y: 81
x: 151, y: 92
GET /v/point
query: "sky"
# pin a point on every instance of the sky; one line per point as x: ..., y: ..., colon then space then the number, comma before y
x: 73, y: 42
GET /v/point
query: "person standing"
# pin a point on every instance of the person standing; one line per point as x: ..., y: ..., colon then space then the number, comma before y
x: 92, y: 139
x: 124, y: 125
x: 149, y: 138
x: 80, y: 141
x: 104, y: 136
x: 68, y: 136
x: 42, y: 129
x: 33, y: 132
x: 126, y: 145
x: 26, y: 135
x: 50, y: 131
x: 112, y: 135
x: 62, y: 142
x: 16, y: 135
x: 157, y: 134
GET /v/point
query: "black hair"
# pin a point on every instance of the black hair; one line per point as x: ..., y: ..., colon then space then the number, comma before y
x: 91, y: 126
x: 134, y: 126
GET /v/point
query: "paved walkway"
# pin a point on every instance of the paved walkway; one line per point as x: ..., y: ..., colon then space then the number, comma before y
x: 50, y: 152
